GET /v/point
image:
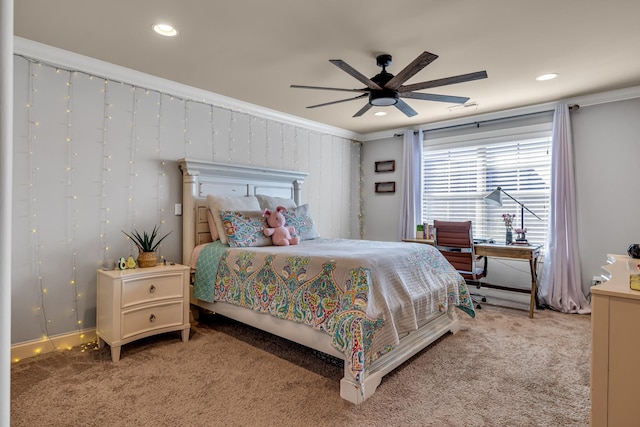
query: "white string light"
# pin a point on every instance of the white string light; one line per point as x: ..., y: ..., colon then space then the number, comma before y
x: 283, y: 144
x: 250, y: 137
x: 185, y: 130
x: 72, y: 224
x: 39, y: 309
x: 162, y: 169
x: 132, y: 166
x: 212, y: 143
x: 231, y: 136
x: 296, y: 165
x: 106, y: 157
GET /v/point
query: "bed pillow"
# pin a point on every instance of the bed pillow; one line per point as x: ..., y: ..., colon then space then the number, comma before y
x: 229, y: 203
x: 270, y: 202
x: 301, y: 220
x: 245, y: 228
x: 212, y: 226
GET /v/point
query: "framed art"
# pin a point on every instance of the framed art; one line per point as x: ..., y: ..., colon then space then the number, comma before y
x: 386, y: 166
x: 386, y: 187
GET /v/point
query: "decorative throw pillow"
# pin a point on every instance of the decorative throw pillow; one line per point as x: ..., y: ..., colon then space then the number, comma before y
x: 229, y: 203
x: 245, y: 228
x: 271, y: 202
x: 301, y: 220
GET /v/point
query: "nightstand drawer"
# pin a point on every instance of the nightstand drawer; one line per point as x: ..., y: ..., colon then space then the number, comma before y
x: 152, y: 288
x: 147, y: 319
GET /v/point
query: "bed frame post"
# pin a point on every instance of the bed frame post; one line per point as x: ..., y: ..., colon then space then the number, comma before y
x: 190, y: 189
x: 297, y: 191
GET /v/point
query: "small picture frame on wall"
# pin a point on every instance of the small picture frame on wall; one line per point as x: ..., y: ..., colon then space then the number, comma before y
x: 386, y: 166
x: 386, y: 187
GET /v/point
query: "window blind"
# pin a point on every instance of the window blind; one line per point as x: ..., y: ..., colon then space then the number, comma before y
x: 456, y: 180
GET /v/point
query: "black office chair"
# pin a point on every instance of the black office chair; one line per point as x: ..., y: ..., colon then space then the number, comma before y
x: 455, y: 241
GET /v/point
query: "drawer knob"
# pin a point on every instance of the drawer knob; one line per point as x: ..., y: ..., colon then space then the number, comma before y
x: 152, y: 289
x: 152, y: 318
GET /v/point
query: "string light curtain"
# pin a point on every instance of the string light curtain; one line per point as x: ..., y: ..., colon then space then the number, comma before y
x: 94, y: 156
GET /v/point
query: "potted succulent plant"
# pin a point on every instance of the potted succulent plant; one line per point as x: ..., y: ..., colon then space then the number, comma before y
x: 147, y: 244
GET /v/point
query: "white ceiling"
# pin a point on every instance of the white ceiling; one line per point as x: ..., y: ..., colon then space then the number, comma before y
x: 253, y: 50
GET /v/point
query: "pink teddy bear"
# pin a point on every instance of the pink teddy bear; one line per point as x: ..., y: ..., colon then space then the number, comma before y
x: 280, y: 234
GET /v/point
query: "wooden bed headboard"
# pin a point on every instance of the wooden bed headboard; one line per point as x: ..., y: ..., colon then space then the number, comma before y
x: 200, y: 178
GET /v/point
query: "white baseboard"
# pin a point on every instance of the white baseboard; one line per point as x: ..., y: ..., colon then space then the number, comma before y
x: 49, y: 344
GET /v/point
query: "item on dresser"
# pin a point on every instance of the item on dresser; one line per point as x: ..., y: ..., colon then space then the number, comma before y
x: 137, y: 303
x: 147, y: 244
x: 634, y: 250
x: 131, y: 263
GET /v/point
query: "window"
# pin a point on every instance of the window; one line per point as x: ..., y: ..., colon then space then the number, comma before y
x: 456, y: 178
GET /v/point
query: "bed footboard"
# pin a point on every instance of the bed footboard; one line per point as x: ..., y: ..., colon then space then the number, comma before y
x: 350, y: 389
x: 411, y: 344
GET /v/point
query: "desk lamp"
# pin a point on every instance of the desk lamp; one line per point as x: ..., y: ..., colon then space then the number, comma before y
x: 495, y: 198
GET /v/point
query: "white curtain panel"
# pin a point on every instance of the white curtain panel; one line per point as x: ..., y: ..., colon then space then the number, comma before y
x: 411, y: 184
x: 561, y: 281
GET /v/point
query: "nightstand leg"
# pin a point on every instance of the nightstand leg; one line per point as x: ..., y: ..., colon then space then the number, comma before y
x: 185, y: 334
x: 100, y: 342
x: 115, y: 353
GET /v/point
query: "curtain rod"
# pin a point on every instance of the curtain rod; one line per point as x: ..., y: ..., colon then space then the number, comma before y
x: 573, y: 107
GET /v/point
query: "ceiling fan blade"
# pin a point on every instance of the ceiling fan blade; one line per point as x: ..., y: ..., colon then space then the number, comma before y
x: 405, y: 108
x: 355, y: 73
x: 363, y: 110
x: 337, y: 102
x: 329, y: 88
x: 410, y: 70
x: 445, y: 81
x: 434, y: 97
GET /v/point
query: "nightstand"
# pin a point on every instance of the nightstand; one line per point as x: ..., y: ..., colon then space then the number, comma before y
x: 137, y: 303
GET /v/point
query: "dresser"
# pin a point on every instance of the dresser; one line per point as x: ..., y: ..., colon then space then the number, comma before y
x: 137, y: 303
x: 615, y: 354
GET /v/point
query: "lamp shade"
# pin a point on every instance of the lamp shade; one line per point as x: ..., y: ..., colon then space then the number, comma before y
x: 494, y: 198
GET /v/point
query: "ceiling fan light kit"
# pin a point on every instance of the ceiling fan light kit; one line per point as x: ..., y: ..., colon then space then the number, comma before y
x: 384, y: 89
x: 383, y: 98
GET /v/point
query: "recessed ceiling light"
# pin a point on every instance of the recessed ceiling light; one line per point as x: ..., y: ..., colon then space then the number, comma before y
x: 549, y: 76
x: 165, y: 30
x: 380, y: 113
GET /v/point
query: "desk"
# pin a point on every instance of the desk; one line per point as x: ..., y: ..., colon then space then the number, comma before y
x: 492, y: 250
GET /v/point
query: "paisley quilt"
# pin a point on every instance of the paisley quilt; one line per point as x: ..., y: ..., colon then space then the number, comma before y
x: 364, y: 294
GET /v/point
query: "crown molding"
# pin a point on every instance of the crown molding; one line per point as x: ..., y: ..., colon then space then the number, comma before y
x: 72, y: 61
x: 582, y: 101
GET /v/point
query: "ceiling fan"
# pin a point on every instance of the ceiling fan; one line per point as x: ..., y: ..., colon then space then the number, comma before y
x: 385, y: 89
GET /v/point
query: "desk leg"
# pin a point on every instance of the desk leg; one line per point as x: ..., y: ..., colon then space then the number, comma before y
x: 534, y: 286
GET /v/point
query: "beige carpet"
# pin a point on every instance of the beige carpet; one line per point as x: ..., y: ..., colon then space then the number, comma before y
x: 502, y: 369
